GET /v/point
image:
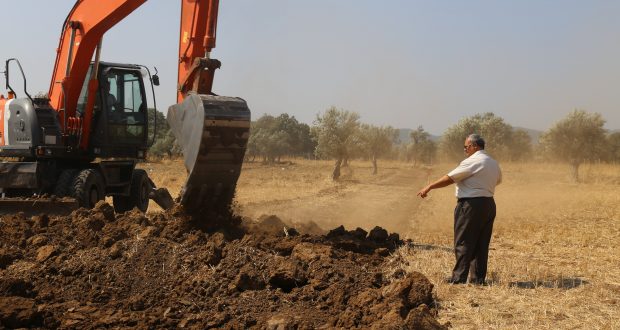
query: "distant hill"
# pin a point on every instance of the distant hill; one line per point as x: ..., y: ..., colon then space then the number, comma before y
x: 403, y: 135
x: 534, y: 134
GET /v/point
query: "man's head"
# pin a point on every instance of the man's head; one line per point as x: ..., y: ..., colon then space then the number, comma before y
x: 473, y: 143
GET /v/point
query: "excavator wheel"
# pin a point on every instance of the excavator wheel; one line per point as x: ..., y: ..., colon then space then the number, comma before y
x: 64, y: 183
x: 87, y: 188
x: 138, y: 194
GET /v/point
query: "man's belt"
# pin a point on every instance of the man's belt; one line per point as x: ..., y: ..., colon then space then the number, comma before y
x: 465, y: 199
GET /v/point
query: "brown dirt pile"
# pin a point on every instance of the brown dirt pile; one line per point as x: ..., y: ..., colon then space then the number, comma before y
x: 97, y: 269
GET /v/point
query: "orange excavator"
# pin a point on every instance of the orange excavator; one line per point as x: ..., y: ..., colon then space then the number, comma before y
x: 82, y: 143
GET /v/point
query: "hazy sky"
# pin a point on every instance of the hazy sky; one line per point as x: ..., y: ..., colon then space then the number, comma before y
x: 402, y: 63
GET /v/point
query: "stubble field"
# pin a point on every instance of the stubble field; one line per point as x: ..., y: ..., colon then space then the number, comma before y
x: 554, y: 254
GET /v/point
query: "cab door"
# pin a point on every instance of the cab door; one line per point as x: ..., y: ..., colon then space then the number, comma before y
x: 126, y: 107
x: 121, y: 115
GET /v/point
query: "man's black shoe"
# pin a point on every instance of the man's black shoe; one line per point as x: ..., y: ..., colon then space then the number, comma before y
x: 450, y: 280
x: 479, y: 282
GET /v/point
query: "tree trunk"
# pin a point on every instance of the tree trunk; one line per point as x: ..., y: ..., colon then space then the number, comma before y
x: 374, y: 165
x: 574, y: 170
x: 336, y: 173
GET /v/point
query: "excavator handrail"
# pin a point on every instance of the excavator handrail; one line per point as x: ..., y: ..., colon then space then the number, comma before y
x: 6, y: 75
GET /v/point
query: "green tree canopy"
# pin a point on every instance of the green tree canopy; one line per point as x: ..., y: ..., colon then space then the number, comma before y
x: 520, y: 145
x: 578, y: 137
x: 493, y: 129
x: 272, y: 137
x: 613, y: 147
x: 335, y: 132
x: 377, y: 142
x: 165, y: 142
x: 421, y: 148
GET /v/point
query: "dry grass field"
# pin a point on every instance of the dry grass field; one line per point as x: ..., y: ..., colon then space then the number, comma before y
x: 554, y: 259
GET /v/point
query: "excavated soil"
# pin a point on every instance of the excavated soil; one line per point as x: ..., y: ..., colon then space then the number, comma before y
x: 98, y: 269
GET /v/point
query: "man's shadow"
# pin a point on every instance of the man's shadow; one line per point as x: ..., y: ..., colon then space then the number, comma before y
x: 426, y: 247
x: 557, y: 283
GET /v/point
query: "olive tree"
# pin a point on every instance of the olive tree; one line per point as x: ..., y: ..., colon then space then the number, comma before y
x: 577, y: 138
x: 421, y: 147
x: 377, y: 142
x: 165, y: 142
x: 273, y: 137
x: 336, y: 134
x: 520, y: 145
x: 492, y: 128
x: 613, y: 147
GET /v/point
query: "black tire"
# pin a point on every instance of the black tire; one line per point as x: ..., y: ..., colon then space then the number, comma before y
x: 138, y: 194
x: 87, y: 188
x: 63, y: 185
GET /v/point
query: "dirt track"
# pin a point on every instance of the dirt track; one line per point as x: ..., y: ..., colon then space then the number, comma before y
x: 95, y: 269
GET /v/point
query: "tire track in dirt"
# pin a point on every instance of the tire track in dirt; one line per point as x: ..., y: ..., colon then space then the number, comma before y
x: 389, y: 202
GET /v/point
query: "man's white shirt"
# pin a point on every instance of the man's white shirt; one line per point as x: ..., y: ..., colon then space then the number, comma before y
x: 476, y: 176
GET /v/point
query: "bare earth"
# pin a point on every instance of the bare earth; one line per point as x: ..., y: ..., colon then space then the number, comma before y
x: 553, y: 260
x: 98, y: 269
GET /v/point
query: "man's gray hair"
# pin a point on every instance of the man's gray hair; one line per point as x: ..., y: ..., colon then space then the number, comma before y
x: 477, y: 140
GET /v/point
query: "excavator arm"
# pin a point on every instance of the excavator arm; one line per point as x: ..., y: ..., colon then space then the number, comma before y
x: 211, y: 130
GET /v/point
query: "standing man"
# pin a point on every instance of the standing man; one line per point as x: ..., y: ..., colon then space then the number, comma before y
x: 475, y: 178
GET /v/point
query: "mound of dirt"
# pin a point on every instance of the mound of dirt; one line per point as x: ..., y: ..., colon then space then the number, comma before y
x: 95, y: 269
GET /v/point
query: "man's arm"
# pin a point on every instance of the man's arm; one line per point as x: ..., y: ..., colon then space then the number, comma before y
x: 444, y: 181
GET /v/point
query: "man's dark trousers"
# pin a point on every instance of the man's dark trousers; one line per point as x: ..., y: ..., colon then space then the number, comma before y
x: 473, y: 225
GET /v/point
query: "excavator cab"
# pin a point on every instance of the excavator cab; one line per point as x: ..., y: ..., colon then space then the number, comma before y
x: 120, y: 119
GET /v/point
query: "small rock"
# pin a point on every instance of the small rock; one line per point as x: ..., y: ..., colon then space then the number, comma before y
x: 336, y: 232
x: 41, y: 220
x: 115, y: 251
x: 45, y: 252
x: 378, y: 235
x: 384, y: 252
x: 38, y: 240
x: 148, y: 232
x: 359, y: 233
x: 394, y: 238
x: 106, y: 209
x: 279, y: 323
x: 291, y: 232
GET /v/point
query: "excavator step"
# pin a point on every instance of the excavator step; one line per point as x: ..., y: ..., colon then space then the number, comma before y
x: 213, y: 132
x: 38, y: 205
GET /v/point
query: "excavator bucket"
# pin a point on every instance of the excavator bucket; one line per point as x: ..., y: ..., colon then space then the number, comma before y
x: 212, y: 132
